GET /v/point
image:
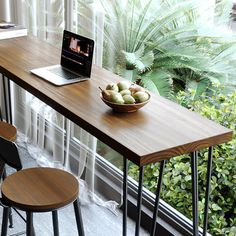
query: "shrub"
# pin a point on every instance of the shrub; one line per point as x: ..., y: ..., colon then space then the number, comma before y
x: 177, y: 176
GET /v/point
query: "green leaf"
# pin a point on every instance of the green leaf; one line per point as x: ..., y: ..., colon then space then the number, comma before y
x: 158, y: 81
x: 199, y: 86
x: 215, y: 207
x: 142, y: 62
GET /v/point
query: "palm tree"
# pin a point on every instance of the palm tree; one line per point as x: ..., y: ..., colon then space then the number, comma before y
x: 164, y: 46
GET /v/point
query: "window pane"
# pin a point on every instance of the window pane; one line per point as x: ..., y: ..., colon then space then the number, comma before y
x: 181, y: 50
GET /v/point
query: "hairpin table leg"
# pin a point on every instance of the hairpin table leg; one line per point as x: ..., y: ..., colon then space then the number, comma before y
x: 125, y: 180
x: 9, y: 100
x: 208, y: 187
x: 194, y: 192
x: 158, y: 193
x: 139, y: 200
x: 5, y: 97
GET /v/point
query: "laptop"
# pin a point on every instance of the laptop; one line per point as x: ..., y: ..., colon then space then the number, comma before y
x: 76, y: 61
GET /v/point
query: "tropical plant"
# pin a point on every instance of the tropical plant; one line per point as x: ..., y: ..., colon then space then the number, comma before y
x: 169, y: 45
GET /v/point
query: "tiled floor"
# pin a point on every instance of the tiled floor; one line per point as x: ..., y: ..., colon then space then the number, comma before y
x: 98, y: 221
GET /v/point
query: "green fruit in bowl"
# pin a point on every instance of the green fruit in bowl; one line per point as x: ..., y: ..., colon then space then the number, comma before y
x: 141, y: 96
x: 124, y: 84
x: 117, y: 98
x: 112, y: 87
x: 125, y: 92
x: 108, y: 94
x: 128, y: 99
x: 112, y: 96
x: 134, y: 89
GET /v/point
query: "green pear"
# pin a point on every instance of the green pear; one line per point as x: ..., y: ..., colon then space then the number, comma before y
x: 141, y: 96
x: 112, y: 87
x: 135, y: 88
x: 108, y: 94
x: 124, y: 84
x: 128, y: 99
x: 125, y: 92
x: 116, y: 98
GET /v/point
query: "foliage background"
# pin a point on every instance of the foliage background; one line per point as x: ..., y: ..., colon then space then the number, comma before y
x: 177, y: 177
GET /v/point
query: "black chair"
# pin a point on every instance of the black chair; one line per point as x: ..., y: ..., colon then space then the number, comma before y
x: 36, y: 189
x: 8, y: 132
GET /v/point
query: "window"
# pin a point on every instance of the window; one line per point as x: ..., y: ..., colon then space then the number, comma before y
x: 170, y: 51
x: 167, y: 47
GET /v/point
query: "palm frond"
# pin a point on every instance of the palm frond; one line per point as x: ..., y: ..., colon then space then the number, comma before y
x: 158, y: 81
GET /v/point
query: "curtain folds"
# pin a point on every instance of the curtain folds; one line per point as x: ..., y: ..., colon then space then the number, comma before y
x: 53, y: 134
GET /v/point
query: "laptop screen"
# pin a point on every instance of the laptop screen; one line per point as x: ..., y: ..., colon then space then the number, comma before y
x: 77, y: 53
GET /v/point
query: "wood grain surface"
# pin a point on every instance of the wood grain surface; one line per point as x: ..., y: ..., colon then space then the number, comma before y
x: 40, y: 189
x: 158, y: 131
x: 8, y: 131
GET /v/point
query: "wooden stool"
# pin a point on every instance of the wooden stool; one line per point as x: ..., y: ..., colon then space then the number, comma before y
x: 38, y: 189
x: 7, y: 131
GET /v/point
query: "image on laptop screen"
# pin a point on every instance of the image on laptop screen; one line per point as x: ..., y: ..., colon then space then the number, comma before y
x: 77, y: 53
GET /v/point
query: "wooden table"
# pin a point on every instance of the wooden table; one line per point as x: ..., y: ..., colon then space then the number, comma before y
x: 157, y: 132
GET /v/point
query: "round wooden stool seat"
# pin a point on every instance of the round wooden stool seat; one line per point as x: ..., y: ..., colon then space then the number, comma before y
x: 40, y: 189
x: 7, y: 131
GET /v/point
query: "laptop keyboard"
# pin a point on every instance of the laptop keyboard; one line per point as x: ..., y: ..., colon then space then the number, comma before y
x: 63, y: 73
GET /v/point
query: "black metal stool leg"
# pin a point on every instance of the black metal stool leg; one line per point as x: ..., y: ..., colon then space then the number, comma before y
x: 194, y: 173
x: 125, y: 179
x: 10, y: 218
x: 78, y: 217
x: 208, y: 188
x: 29, y: 224
x: 5, y: 221
x: 139, y: 201
x: 55, y: 223
x: 4, y: 175
x: 158, y: 193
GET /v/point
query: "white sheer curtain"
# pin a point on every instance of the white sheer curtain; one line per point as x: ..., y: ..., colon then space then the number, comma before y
x: 44, y: 127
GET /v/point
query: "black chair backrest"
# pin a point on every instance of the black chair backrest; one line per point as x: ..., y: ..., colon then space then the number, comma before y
x: 9, y: 154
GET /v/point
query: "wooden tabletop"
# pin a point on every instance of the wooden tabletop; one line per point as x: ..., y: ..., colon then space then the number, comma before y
x: 160, y: 130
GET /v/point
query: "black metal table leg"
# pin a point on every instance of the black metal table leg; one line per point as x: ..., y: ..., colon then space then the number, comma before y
x: 1, y: 118
x: 139, y: 200
x: 9, y: 100
x: 208, y: 188
x: 158, y: 193
x: 125, y: 180
x: 194, y: 173
x: 5, y: 98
